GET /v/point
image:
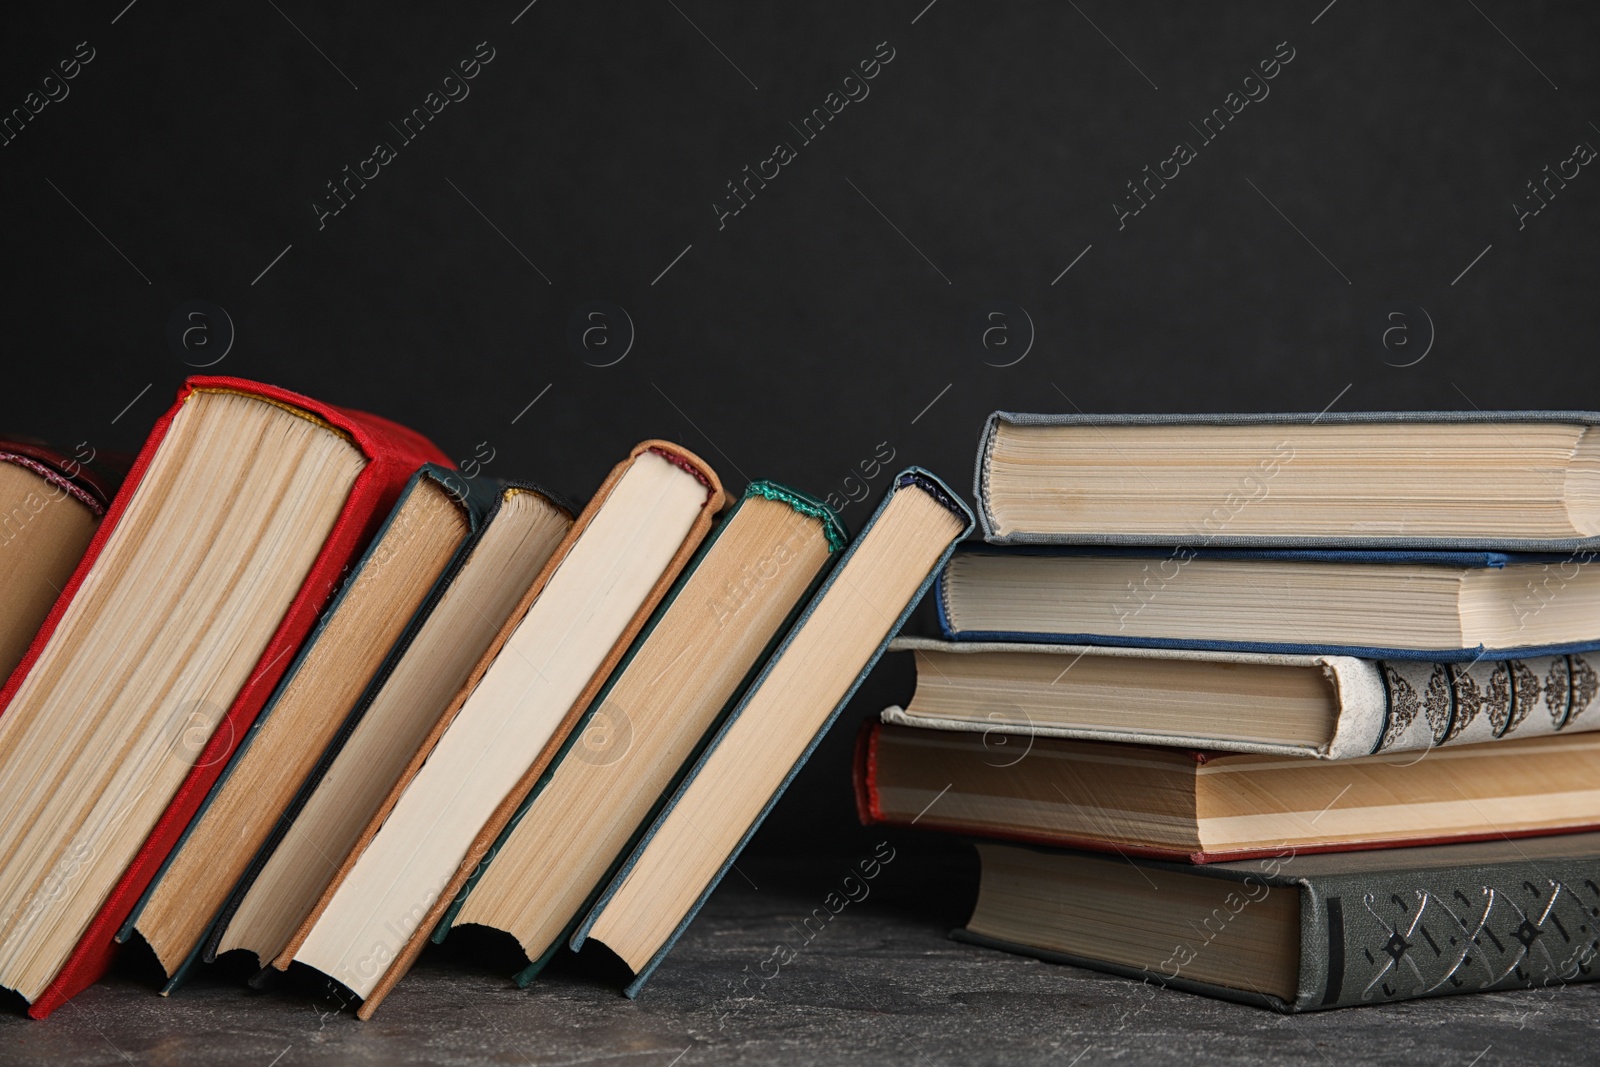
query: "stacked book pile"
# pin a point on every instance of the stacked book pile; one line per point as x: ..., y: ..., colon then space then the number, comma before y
x: 1297, y: 711
x: 302, y: 692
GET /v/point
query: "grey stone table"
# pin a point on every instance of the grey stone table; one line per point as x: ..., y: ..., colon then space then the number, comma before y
x: 879, y: 983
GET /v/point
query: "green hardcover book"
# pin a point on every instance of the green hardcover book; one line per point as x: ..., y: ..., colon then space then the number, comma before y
x: 1307, y: 932
x: 686, y: 669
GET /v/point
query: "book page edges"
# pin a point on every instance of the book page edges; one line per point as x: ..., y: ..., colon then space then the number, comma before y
x: 803, y: 504
x: 458, y: 491
x: 389, y: 449
x: 1360, y: 697
x: 716, y: 500
x: 557, y: 557
x: 914, y: 476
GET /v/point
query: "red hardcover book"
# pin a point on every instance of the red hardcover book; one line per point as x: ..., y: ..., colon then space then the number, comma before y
x: 1180, y: 804
x: 392, y: 454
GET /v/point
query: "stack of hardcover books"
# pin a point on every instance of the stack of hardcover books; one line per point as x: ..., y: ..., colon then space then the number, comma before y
x: 310, y: 695
x: 1293, y: 710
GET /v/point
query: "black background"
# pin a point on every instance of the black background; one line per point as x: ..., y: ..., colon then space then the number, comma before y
x: 839, y: 312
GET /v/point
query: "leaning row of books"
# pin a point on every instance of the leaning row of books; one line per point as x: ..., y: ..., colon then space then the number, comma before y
x: 1297, y: 711
x: 303, y: 691
x: 1286, y: 709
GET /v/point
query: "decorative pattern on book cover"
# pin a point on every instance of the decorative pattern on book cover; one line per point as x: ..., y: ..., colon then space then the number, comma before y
x: 837, y: 540
x: 910, y: 478
x: 393, y: 453
x: 992, y: 535
x: 716, y: 501
x: 1434, y: 704
x: 1383, y: 705
x: 942, y: 597
x: 1376, y: 928
x: 477, y: 498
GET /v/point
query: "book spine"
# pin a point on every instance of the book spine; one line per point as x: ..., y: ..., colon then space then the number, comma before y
x: 1434, y: 704
x: 1363, y: 706
x: 1376, y: 938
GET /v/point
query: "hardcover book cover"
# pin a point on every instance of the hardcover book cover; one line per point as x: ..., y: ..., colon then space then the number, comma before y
x: 393, y: 453
x: 1545, y: 786
x: 1382, y: 706
x: 1172, y: 562
x: 993, y: 534
x: 1378, y: 927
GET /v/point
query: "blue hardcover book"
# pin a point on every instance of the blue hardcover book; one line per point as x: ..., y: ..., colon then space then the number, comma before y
x: 1399, y: 604
x: 776, y: 725
x: 364, y: 632
x: 1471, y: 480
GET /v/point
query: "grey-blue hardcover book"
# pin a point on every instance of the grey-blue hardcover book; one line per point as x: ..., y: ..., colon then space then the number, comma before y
x: 1388, y: 604
x: 1524, y: 481
x: 777, y: 724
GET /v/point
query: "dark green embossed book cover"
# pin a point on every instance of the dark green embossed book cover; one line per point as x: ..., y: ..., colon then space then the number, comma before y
x: 1307, y: 932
